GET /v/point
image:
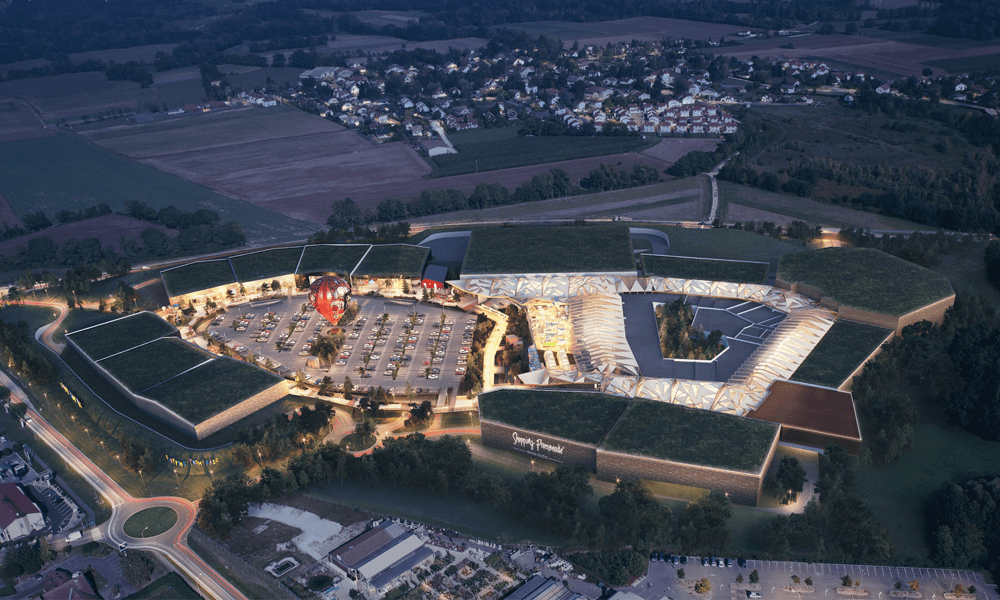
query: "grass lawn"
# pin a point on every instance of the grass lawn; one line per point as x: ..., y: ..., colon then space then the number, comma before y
x: 266, y: 263
x: 706, y: 269
x: 211, y: 388
x: 34, y: 316
x: 58, y: 172
x: 150, y: 522
x: 115, y: 336
x: 494, y: 149
x: 967, y: 64
x: 197, y: 276
x: 730, y: 244
x: 154, y: 363
x: 582, y: 417
x: 176, y: 94
x: 329, y: 258
x: 839, y: 353
x: 169, y: 587
x: 866, y: 279
x: 672, y: 432
x: 941, y: 455
x: 259, y: 77
x: 393, y: 260
x: 566, y: 249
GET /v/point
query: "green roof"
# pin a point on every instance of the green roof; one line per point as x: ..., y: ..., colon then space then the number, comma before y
x: 392, y: 261
x: 266, y: 263
x: 578, y: 416
x: 197, y: 276
x: 153, y: 363
x: 566, y: 249
x: 693, y: 436
x: 842, y: 350
x: 101, y: 341
x: 679, y: 267
x: 329, y: 258
x: 866, y: 279
x: 211, y: 388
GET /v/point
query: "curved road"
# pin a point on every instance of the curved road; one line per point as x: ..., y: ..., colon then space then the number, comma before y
x: 172, y: 543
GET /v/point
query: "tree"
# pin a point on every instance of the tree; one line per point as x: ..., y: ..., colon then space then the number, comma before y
x: 837, y: 473
x: 703, y: 586
x: 915, y: 585
x: 789, y: 480
x: 992, y: 259
x: 754, y: 576
x: 852, y: 29
x: 138, y: 567
x: 680, y: 573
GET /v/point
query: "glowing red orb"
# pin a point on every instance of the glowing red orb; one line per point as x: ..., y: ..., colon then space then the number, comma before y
x: 330, y: 296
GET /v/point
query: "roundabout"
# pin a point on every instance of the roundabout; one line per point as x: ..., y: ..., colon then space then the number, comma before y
x: 150, y: 522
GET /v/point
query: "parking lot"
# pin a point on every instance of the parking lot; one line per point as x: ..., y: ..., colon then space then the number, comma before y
x: 424, y: 345
x: 879, y: 580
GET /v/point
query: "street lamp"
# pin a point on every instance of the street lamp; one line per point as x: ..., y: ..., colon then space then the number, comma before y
x: 143, y: 480
x: 117, y: 456
x: 177, y: 479
x: 87, y: 431
x: 143, y: 534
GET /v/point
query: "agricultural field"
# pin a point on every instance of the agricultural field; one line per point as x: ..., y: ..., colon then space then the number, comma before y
x: 73, y: 95
x: 504, y: 151
x: 120, y: 55
x: 258, y: 77
x: 211, y: 388
x: 558, y: 249
x: 120, y: 335
x: 17, y: 119
x: 733, y: 271
x: 879, y: 282
x: 393, y: 260
x: 845, y: 135
x: 198, y: 276
x: 746, y: 203
x: 65, y: 172
x: 967, y: 64
x: 175, y: 94
x: 677, y: 433
x: 903, y: 54
x: 844, y: 347
x: 685, y: 199
x: 671, y: 149
x: 266, y: 263
x: 581, y: 417
x: 644, y: 29
x: 381, y: 18
x: 106, y: 228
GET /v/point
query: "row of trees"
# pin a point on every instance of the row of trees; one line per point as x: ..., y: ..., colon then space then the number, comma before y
x: 963, y: 525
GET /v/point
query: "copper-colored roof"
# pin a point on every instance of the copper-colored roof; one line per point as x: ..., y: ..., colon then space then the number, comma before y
x: 812, y: 408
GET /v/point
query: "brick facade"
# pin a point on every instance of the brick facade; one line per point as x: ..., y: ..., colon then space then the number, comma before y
x: 498, y: 435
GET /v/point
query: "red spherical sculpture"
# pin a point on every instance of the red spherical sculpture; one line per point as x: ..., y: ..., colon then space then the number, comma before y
x: 330, y: 296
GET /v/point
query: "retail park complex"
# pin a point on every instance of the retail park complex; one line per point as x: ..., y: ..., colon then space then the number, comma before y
x: 598, y: 391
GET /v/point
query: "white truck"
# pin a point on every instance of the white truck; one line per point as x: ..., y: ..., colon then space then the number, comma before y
x: 74, y: 536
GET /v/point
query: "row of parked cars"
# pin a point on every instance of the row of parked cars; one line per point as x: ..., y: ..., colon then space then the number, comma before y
x: 706, y: 561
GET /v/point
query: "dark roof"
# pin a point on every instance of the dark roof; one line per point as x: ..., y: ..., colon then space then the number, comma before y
x: 809, y: 407
x: 78, y: 588
x: 18, y: 506
x: 401, y: 566
x: 436, y: 273
x: 542, y: 588
x: 356, y: 552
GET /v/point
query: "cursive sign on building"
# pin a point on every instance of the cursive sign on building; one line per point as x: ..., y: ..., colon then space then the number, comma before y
x: 534, y: 445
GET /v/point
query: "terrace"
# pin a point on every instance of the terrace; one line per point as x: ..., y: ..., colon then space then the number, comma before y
x: 676, y: 433
x: 568, y: 249
x: 197, y: 276
x: 582, y: 417
x: 101, y: 341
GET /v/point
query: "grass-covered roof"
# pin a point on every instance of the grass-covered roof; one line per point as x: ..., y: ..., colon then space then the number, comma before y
x: 197, y: 276
x: 266, y: 264
x: 557, y: 249
x: 393, y: 260
x: 329, y: 258
x: 866, y: 279
x: 578, y: 416
x: 680, y: 267
x: 153, y: 363
x: 839, y: 353
x: 101, y: 341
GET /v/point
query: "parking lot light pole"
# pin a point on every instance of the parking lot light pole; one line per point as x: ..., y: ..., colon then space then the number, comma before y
x: 177, y: 479
x: 143, y: 480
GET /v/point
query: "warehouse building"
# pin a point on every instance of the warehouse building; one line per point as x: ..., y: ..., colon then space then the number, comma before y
x: 382, y: 557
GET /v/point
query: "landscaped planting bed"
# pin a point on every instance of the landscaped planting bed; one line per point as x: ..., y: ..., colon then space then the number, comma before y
x: 577, y: 416
x: 154, y: 363
x: 679, y: 267
x: 211, y: 388
x: 566, y: 249
x: 393, y: 260
x: 198, y: 276
x: 839, y: 353
x: 693, y: 436
x: 266, y: 263
x: 101, y: 341
x: 866, y: 279
x: 324, y: 258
